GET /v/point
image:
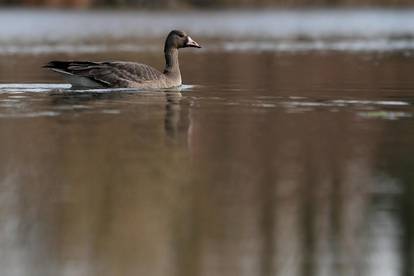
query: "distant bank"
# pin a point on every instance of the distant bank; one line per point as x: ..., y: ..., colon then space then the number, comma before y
x: 213, y: 4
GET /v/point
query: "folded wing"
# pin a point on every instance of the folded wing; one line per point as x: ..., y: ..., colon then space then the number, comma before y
x: 107, y: 74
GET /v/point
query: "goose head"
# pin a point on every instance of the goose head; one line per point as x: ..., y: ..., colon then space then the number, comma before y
x: 179, y: 39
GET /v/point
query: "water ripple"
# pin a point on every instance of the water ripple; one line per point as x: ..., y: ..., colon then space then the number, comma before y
x: 30, y: 114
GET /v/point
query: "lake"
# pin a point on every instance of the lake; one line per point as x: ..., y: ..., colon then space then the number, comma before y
x: 288, y: 150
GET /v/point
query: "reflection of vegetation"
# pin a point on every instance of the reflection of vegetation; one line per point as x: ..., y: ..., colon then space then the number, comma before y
x: 400, y: 163
x: 205, y: 3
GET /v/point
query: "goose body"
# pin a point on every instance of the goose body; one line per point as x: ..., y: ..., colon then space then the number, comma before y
x: 121, y: 74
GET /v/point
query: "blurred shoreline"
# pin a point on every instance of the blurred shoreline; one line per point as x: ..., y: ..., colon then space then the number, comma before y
x: 204, y: 4
x: 53, y: 26
x: 174, y: 9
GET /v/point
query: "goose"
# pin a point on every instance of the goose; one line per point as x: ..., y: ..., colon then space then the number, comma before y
x: 121, y: 74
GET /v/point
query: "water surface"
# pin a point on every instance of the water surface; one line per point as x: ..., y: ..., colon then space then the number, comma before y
x: 267, y: 162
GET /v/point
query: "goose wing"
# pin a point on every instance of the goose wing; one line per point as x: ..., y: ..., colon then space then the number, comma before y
x: 108, y: 74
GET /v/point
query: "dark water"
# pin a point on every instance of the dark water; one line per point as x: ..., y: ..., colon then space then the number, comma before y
x: 265, y: 163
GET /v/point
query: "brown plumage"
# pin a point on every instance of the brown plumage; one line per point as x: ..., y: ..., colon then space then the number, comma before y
x: 120, y: 74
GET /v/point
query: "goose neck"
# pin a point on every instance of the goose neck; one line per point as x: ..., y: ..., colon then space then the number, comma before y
x: 171, y: 61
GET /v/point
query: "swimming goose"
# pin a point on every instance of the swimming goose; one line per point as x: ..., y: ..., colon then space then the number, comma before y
x: 120, y: 74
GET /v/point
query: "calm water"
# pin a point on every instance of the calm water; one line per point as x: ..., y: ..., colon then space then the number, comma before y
x: 271, y: 160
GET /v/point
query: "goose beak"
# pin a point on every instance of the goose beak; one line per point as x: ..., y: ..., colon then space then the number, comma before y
x: 191, y: 43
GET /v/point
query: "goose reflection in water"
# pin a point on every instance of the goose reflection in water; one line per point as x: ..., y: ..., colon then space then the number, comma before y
x: 176, y: 121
